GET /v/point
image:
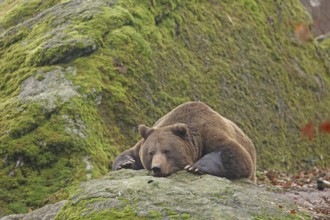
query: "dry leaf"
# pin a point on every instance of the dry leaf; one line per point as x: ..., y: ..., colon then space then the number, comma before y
x: 302, y: 32
x: 293, y: 211
x: 325, y: 127
x: 308, y: 131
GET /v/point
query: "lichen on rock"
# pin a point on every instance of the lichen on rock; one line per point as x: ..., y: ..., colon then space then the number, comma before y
x: 49, y: 89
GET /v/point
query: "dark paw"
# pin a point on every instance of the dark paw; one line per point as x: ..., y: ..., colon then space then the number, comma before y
x: 126, y: 163
x: 194, y: 169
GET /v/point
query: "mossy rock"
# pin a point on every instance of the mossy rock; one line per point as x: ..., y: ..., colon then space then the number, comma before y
x: 325, y: 43
x: 79, y: 76
x: 128, y: 194
x: 137, y: 195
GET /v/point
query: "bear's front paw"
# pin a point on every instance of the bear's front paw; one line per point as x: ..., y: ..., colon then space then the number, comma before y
x: 194, y: 169
x: 126, y: 163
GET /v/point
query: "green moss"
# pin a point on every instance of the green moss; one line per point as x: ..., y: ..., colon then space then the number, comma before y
x: 325, y: 44
x: 13, y: 13
x: 22, y: 127
x: 155, y: 215
x: 131, y: 62
x: 126, y: 213
x: 18, y: 207
x: 286, y: 215
x: 175, y: 215
x: 83, y: 210
x: 60, y: 52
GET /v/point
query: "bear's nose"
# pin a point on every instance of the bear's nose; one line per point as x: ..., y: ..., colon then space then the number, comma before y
x: 156, y: 169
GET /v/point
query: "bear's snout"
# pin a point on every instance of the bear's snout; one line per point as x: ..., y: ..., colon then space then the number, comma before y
x: 158, y: 166
x: 156, y: 170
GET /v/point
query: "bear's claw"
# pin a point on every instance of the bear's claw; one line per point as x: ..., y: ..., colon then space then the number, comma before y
x: 192, y: 169
x: 186, y: 167
x: 126, y: 163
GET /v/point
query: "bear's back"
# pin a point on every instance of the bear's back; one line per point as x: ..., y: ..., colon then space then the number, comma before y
x: 190, y: 113
x: 202, y: 118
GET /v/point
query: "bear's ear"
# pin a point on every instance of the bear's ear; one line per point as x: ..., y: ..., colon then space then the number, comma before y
x: 145, y: 131
x: 180, y: 129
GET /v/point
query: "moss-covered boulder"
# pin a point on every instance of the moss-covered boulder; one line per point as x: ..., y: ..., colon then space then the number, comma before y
x: 77, y: 77
x: 128, y: 194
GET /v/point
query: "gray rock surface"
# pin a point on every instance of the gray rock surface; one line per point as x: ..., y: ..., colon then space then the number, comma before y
x: 45, y: 213
x: 50, y: 88
x: 134, y: 194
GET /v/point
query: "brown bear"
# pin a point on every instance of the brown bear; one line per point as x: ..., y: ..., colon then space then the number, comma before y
x: 195, y: 138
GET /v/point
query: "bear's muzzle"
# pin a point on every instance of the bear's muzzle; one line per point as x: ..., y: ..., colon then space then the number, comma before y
x: 158, y: 165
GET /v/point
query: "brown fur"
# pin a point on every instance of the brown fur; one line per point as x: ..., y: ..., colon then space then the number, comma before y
x: 192, y: 137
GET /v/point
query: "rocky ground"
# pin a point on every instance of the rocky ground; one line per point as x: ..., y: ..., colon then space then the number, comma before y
x: 301, y: 189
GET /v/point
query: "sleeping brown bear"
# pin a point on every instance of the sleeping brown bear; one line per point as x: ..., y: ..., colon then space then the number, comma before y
x: 195, y: 138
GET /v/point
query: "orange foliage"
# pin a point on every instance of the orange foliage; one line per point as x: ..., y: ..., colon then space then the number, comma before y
x: 302, y: 32
x: 308, y: 131
x: 325, y: 127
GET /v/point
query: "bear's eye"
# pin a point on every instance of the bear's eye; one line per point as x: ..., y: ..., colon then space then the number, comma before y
x: 166, y: 151
x: 151, y: 153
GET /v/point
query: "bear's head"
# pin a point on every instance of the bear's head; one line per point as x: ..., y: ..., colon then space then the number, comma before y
x: 165, y: 150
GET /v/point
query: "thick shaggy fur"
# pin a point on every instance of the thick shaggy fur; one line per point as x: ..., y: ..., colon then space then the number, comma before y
x: 195, y: 138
